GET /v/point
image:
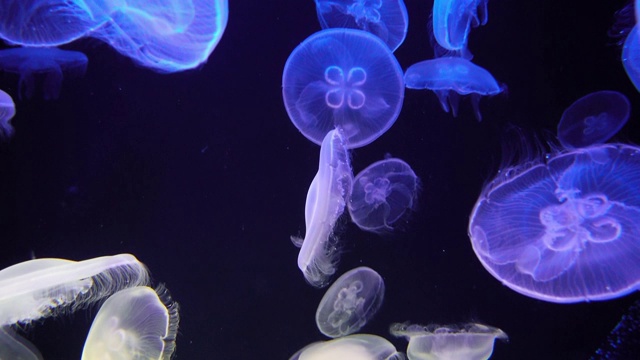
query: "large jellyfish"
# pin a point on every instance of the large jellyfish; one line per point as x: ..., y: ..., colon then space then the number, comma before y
x: 135, y: 323
x: 631, y: 56
x: 325, y: 203
x: 450, y: 77
x: 7, y: 112
x: 387, y: 19
x: 452, y: 20
x: 40, y: 288
x: 352, y: 300
x: 593, y: 119
x: 343, y: 78
x: 565, y: 230
x: 48, y: 64
x: 352, y: 347
x: 432, y: 342
x: 381, y: 194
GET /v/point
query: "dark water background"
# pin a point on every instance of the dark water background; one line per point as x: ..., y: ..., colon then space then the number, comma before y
x: 203, y: 177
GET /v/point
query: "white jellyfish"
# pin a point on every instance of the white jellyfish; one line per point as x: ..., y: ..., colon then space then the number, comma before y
x: 352, y: 347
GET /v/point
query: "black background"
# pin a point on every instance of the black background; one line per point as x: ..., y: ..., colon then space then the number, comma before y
x: 203, y: 177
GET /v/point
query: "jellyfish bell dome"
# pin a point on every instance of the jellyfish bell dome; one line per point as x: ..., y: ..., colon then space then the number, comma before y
x: 565, y: 230
x: 343, y: 78
x: 352, y: 347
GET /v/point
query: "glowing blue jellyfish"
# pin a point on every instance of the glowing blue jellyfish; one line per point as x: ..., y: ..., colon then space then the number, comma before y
x: 566, y: 230
x: 593, y: 119
x: 352, y: 347
x: 450, y: 77
x: 48, y: 64
x: 387, y: 19
x: 14, y: 346
x: 135, y: 323
x: 433, y: 342
x: 381, y: 194
x: 631, y: 56
x: 7, y: 112
x: 453, y: 19
x: 325, y: 203
x: 343, y: 78
x: 352, y: 300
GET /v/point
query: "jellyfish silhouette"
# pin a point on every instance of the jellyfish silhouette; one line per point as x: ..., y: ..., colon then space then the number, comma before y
x: 387, y: 19
x: 7, y: 112
x: 48, y: 63
x: 433, y: 342
x: 14, y: 346
x: 353, y: 347
x: 565, y: 230
x: 453, y: 19
x: 450, y: 77
x: 381, y: 194
x: 631, y: 56
x: 41, y: 288
x: 352, y: 300
x: 325, y: 203
x: 593, y: 119
x: 343, y: 78
x: 135, y: 323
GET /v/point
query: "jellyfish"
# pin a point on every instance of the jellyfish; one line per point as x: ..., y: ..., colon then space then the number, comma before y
x: 14, y: 346
x: 7, y: 112
x: 41, y: 288
x: 49, y: 63
x: 135, y: 323
x: 631, y: 56
x: 381, y: 194
x: 325, y: 203
x: 564, y: 230
x: 352, y: 347
x: 452, y: 20
x: 387, y: 19
x: 433, y: 342
x: 593, y: 119
x: 450, y: 77
x: 352, y: 300
x: 343, y: 78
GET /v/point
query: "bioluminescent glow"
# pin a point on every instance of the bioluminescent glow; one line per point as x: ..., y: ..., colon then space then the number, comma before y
x: 7, y: 112
x: 631, y: 56
x: 453, y: 19
x: 352, y: 347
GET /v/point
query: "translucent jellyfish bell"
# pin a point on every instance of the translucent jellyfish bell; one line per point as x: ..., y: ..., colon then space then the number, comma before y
x: 387, y: 19
x: 352, y: 347
x: 136, y: 323
x: 40, y: 288
x: 593, y: 119
x: 325, y: 203
x: 49, y: 63
x: 452, y: 20
x: 449, y: 77
x: 343, y: 78
x: 14, y: 346
x: 469, y: 342
x: 631, y: 56
x: 565, y: 230
x: 7, y: 112
x: 352, y: 300
x: 381, y: 194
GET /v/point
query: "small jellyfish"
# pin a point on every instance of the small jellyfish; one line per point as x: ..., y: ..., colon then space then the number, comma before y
x: 432, y: 342
x: 565, y: 230
x: 352, y: 347
x: 7, y: 112
x: 593, y: 119
x: 352, y: 300
x: 387, y: 19
x: 452, y: 20
x: 49, y: 63
x: 343, y: 78
x: 14, y: 346
x: 40, y: 288
x: 135, y: 323
x: 450, y: 77
x: 631, y: 56
x: 381, y: 194
x: 325, y: 203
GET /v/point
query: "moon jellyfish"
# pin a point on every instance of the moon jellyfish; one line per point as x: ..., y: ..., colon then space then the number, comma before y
x: 631, y: 56
x: 136, y: 323
x: 350, y: 302
x: 7, y: 112
x: 381, y: 194
x: 387, y: 19
x: 566, y: 230
x: 452, y: 20
x: 14, y: 346
x: 352, y: 347
x: 40, y: 288
x: 593, y: 119
x: 325, y: 203
x: 343, y: 78
x: 432, y: 342
x: 45, y: 63
x: 450, y: 77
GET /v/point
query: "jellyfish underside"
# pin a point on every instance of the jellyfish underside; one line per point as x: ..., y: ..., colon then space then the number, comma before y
x: 452, y: 21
